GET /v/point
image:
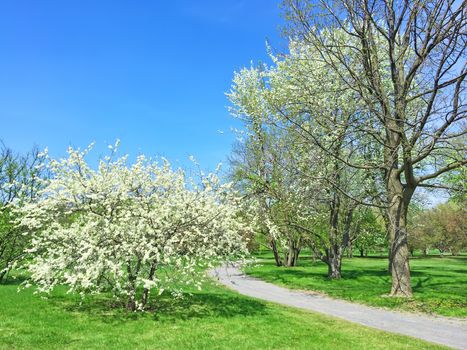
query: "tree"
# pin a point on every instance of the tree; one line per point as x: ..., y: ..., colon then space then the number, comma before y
x: 443, y: 227
x: 260, y: 170
x: 371, y: 233
x: 19, y: 176
x: 128, y: 229
x: 300, y: 180
x: 406, y: 61
x: 457, y: 180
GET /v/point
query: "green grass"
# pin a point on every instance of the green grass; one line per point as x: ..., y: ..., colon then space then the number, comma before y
x: 214, y: 318
x: 439, y: 284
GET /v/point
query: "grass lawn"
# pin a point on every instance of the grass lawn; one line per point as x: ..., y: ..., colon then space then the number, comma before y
x: 214, y: 318
x: 439, y: 284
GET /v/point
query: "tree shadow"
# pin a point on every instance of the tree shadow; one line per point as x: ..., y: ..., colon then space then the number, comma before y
x: 283, y: 272
x: 13, y: 281
x: 165, y: 308
x: 201, y: 305
x: 346, y: 274
x: 420, y: 284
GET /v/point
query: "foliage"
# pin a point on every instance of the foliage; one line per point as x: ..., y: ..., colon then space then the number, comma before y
x: 457, y: 180
x: 443, y: 227
x: 19, y: 182
x: 371, y: 232
x: 113, y: 228
x: 304, y: 195
x: 402, y: 61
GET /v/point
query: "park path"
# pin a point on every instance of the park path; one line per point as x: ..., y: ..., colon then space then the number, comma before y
x: 444, y: 331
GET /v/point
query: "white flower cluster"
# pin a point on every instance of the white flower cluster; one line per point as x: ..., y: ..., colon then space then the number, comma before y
x: 124, y: 228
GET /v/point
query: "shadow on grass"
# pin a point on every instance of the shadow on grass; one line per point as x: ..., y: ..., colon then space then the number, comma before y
x: 352, y: 274
x: 13, y: 281
x: 200, y: 305
x: 347, y: 273
x: 420, y: 283
x: 165, y: 308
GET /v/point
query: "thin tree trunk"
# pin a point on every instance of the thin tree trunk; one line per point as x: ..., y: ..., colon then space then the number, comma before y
x: 350, y: 251
x: 297, y: 253
x: 314, y: 256
x: 277, y: 258
x: 2, y: 275
x: 145, y: 296
x: 132, y: 275
x: 131, y: 303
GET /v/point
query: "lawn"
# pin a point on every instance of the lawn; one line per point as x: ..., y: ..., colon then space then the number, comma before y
x: 439, y: 283
x: 214, y: 318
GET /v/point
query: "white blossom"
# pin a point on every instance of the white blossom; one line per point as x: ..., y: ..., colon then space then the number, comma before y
x: 119, y: 227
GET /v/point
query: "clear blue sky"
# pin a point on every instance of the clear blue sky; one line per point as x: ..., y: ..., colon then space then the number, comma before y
x: 152, y: 73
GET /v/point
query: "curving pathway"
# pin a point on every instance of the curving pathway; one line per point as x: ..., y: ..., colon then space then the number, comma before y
x: 439, y: 330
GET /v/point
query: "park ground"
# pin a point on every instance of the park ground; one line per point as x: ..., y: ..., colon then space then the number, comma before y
x: 439, y: 283
x: 213, y: 318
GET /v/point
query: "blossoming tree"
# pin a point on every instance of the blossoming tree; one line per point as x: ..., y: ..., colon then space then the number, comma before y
x: 116, y: 227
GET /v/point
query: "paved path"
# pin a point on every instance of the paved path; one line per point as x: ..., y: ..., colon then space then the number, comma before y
x: 439, y: 330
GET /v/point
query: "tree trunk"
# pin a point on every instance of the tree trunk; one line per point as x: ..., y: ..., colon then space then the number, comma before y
x: 2, y: 275
x: 275, y: 252
x: 145, y: 296
x: 131, y: 303
x: 399, y: 252
x: 314, y: 256
x: 350, y: 251
x: 132, y: 275
x: 291, y: 258
x: 334, y: 266
x: 297, y: 253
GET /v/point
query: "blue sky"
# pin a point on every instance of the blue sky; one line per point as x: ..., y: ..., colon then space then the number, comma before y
x: 152, y: 73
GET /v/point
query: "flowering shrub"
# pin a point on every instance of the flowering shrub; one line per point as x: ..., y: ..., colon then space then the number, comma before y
x: 115, y: 228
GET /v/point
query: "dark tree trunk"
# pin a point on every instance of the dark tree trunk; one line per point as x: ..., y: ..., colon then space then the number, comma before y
x: 2, y: 275
x: 132, y: 275
x: 338, y: 244
x: 277, y: 258
x: 131, y: 303
x: 145, y: 296
x: 362, y: 252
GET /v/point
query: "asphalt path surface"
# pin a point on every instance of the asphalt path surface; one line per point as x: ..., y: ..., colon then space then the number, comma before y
x: 441, y: 330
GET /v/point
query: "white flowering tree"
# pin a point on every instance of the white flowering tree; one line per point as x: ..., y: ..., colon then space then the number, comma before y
x: 300, y: 106
x: 118, y: 227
